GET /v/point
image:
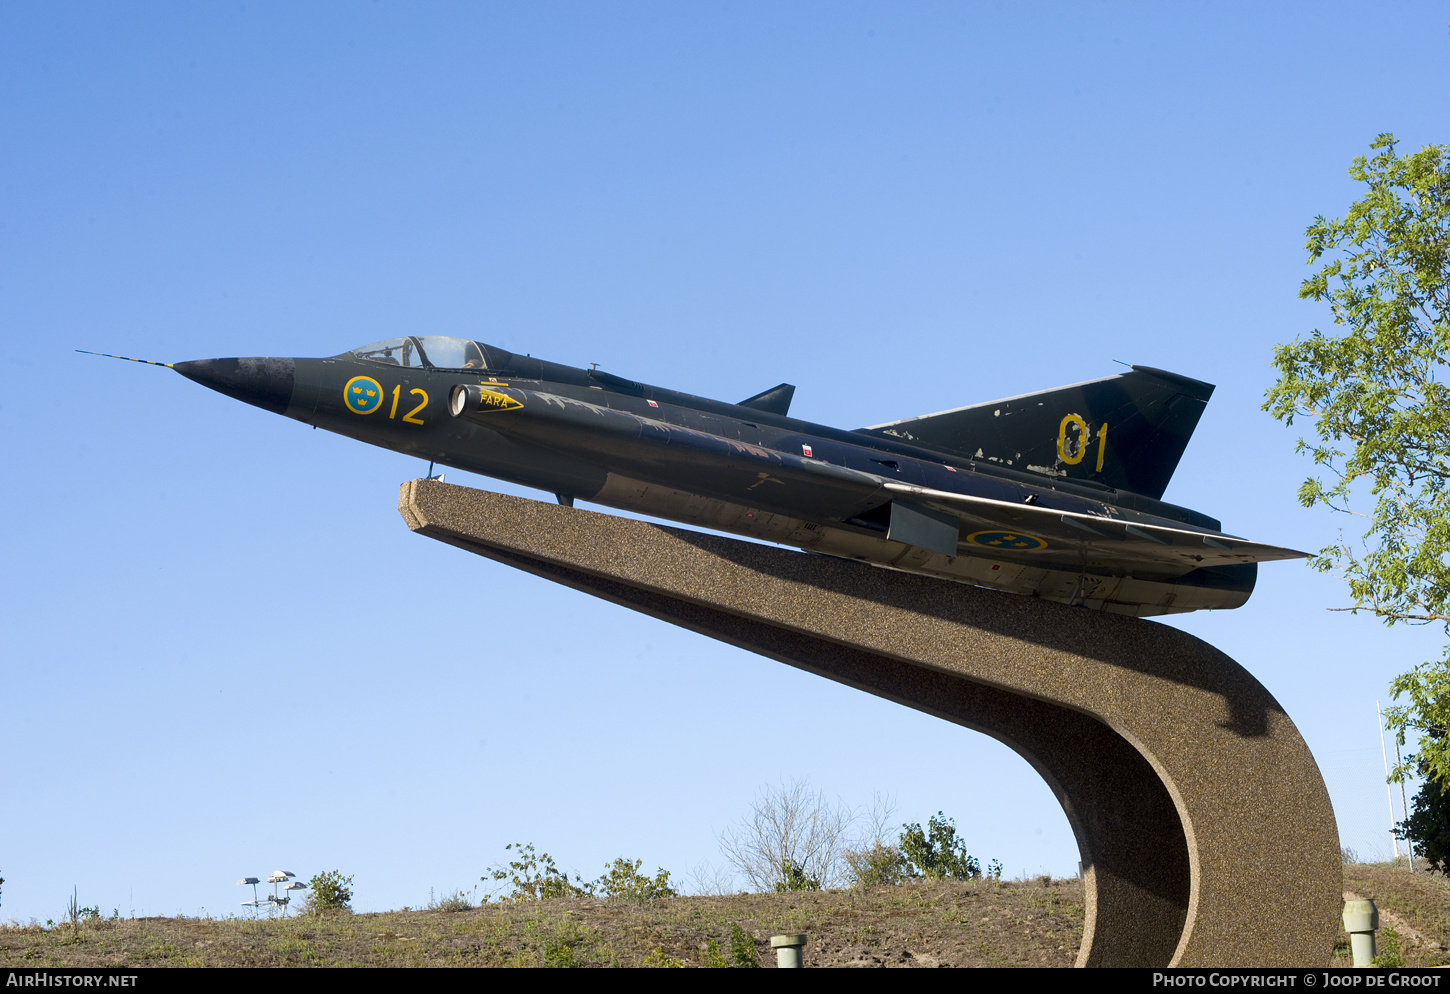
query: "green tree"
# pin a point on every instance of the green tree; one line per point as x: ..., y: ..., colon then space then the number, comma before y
x: 1428, y: 826
x: 938, y: 852
x: 622, y: 881
x: 329, y: 892
x: 1375, y: 392
x: 534, y: 877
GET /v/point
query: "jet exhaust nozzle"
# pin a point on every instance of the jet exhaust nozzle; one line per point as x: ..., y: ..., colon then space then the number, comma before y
x: 264, y: 382
x: 466, y: 399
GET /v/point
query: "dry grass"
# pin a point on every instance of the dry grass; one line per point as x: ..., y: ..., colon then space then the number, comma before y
x: 924, y: 924
x: 1019, y: 923
x: 1416, y: 906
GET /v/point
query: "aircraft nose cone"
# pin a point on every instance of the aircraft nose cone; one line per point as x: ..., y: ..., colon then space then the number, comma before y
x: 265, y: 382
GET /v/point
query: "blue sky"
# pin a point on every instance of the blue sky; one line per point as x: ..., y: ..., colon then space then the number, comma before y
x: 224, y: 651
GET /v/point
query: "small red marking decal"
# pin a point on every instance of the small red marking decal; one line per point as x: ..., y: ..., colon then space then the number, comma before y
x: 806, y: 450
x: 996, y: 567
x: 951, y: 469
x: 651, y: 403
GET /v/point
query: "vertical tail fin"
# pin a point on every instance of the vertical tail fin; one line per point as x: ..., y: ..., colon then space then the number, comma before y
x: 1126, y: 431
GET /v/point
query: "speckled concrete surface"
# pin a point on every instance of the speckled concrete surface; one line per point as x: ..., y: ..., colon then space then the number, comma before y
x: 1205, y: 829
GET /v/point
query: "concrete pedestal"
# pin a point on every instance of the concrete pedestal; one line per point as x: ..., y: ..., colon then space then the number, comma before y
x: 1206, y: 833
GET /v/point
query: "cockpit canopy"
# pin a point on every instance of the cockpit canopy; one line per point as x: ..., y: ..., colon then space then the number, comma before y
x: 426, y: 350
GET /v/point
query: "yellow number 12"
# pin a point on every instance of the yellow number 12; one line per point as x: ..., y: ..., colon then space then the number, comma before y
x: 397, y: 391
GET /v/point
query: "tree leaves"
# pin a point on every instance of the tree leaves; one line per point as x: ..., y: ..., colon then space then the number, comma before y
x: 1377, y: 397
x: 939, y: 852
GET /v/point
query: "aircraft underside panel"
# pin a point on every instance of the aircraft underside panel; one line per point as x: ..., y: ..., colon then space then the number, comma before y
x: 1096, y: 590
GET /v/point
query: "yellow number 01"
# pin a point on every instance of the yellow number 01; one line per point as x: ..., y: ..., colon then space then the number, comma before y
x: 1075, y: 457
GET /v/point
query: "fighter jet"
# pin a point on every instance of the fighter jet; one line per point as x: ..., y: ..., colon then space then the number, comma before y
x: 1053, y: 495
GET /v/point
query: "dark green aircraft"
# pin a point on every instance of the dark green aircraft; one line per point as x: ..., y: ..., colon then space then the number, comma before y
x: 1051, y: 494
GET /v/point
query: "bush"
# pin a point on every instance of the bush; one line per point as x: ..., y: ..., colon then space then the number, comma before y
x: 456, y: 901
x: 937, y: 853
x: 794, y: 877
x: 881, y: 865
x: 329, y: 892
x: 1428, y: 827
x: 876, y: 860
x: 622, y: 881
x: 534, y: 877
x: 1390, y: 954
x: 658, y: 958
x: 742, y: 949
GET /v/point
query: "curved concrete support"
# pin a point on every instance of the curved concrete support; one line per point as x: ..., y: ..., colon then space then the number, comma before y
x: 1206, y: 833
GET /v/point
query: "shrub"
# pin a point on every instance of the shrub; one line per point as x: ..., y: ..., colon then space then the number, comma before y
x: 559, y: 944
x: 938, y: 853
x: 558, y: 952
x: 794, y: 877
x: 622, y: 881
x: 1428, y: 827
x: 456, y: 901
x: 329, y: 892
x: 876, y: 859
x: 742, y: 948
x: 75, y: 914
x: 658, y: 958
x: 881, y: 865
x: 1391, y: 955
x: 534, y: 876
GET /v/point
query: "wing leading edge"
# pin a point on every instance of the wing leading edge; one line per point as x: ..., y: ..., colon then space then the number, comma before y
x: 1025, y: 533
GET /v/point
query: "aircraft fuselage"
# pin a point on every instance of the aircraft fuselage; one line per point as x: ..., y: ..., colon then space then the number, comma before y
x: 590, y: 435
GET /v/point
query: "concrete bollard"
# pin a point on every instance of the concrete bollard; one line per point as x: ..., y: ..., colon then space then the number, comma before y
x: 1361, y: 918
x: 788, y: 949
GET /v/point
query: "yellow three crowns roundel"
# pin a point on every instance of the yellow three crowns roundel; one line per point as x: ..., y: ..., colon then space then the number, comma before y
x: 1014, y: 541
x: 362, y: 395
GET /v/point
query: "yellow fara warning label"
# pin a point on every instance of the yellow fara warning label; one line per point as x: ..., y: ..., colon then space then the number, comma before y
x: 488, y: 400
